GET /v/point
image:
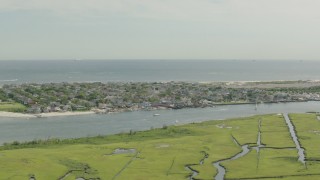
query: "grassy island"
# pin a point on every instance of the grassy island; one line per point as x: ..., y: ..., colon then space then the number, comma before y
x: 246, y: 148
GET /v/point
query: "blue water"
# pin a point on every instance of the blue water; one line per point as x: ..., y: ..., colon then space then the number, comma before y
x: 155, y: 70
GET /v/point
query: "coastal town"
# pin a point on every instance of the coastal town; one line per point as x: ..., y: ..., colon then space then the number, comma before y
x: 133, y: 96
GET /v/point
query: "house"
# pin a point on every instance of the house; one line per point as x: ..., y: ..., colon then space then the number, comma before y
x: 102, y: 106
x: 34, y: 109
x: 66, y: 108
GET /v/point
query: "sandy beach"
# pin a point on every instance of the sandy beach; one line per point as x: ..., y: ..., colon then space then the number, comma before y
x: 68, y: 113
x: 16, y: 115
x: 53, y: 114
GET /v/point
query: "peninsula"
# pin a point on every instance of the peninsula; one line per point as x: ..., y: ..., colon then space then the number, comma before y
x: 131, y: 96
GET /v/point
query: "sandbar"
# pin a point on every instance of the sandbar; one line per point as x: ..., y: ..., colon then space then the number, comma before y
x: 52, y: 114
x: 68, y: 113
x: 15, y: 115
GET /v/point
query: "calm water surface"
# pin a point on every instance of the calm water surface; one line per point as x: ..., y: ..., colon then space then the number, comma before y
x: 156, y: 70
x: 16, y: 72
x: 89, y: 125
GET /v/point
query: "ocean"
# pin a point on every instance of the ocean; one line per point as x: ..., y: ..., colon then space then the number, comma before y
x: 37, y: 71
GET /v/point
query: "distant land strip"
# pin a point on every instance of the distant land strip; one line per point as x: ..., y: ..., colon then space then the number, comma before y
x: 130, y: 96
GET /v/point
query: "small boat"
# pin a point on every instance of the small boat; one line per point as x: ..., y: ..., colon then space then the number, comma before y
x: 156, y: 114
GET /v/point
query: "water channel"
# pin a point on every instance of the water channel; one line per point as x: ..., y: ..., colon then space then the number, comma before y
x: 23, y: 129
x: 295, y: 139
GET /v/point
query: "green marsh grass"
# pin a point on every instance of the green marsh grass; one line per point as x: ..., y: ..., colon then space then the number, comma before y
x: 308, y: 131
x: 164, y: 153
x: 12, y: 107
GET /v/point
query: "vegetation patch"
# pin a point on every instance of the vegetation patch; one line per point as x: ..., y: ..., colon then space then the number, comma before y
x: 12, y: 107
x: 173, y: 152
x: 79, y: 170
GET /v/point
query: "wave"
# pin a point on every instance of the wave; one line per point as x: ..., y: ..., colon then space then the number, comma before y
x: 8, y: 80
x: 220, y: 109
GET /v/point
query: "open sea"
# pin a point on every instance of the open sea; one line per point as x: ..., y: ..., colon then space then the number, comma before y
x: 31, y: 71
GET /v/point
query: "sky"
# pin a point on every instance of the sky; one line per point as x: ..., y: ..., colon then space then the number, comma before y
x: 160, y: 29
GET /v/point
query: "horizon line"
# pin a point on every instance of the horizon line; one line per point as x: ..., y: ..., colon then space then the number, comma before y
x: 160, y: 59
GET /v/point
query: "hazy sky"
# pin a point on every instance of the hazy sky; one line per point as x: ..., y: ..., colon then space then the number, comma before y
x: 159, y: 29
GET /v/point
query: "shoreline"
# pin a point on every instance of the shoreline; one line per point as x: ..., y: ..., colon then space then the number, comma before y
x: 43, y: 115
x: 94, y: 111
